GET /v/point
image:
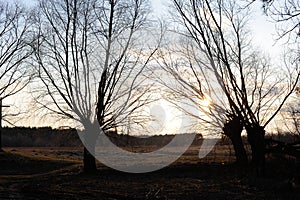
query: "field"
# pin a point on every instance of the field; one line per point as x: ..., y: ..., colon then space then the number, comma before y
x: 56, y: 173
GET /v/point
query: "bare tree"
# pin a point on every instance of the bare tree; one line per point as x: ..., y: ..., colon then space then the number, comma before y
x: 14, y: 50
x: 194, y: 80
x: 290, y: 115
x: 218, y: 30
x: 202, y: 102
x: 285, y: 13
x: 90, y: 56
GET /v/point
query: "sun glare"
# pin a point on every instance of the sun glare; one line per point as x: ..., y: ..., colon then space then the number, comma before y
x: 206, y: 102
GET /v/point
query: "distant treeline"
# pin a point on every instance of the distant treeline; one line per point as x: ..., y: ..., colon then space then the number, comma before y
x: 283, y: 137
x: 68, y: 137
x: 39, y: 137
x: 156, y: 140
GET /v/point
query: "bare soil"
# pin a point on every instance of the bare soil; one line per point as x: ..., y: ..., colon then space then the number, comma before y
x: 56, y: 173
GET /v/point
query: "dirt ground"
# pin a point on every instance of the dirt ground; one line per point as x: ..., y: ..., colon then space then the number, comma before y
x: 56, y: 173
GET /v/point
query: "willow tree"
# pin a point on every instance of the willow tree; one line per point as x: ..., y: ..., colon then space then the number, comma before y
x: 90, y: 56
x: 254, y: 96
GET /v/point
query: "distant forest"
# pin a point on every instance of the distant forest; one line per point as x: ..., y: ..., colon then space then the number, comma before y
x: 49, y: 137
x: 68, y: 137
x: 39, y: 137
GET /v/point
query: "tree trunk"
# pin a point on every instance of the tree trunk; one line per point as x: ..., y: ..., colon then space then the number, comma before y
x: 90, y: 137
x: 1, y: 125
x: 233, y: 129
x: 1, y: 139
x: 89, y: 162
x: 256, y: 138
x: 240, y: 152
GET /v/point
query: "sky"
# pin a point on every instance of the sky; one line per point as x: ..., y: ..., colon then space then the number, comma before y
x: 263, y: 32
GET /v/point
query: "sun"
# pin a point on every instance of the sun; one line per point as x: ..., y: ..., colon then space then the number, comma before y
x: 206, y: 102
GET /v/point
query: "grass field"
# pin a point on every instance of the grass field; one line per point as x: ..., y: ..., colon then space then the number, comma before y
x: 56, y: 173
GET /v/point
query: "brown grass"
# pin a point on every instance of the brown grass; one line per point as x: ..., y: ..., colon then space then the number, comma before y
x: 56, y: 173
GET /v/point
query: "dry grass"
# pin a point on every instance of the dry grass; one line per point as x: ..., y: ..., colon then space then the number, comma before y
x: 55, y: 173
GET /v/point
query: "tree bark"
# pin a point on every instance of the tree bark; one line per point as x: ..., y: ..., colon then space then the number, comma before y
x: 240, y: 152
x: 89, y: 162
x: 233, y: 129
x: 256, y: 138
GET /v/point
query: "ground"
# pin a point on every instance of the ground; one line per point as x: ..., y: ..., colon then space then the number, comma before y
x: 56, y: 173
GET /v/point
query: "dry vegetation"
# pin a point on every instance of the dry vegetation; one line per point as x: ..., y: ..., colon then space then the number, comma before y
x: 56, y: 173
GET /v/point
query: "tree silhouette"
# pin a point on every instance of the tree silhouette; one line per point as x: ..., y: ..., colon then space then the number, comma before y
x: 217, y: 29
x: 89, y: 57
x: 15, y: 37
